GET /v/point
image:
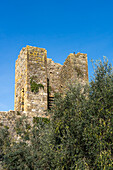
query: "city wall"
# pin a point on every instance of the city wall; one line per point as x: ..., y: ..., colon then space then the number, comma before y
x: 37, y: 79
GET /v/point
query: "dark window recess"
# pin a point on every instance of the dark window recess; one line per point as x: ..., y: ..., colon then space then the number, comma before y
x: 50, y: 99
x: 22, y: 100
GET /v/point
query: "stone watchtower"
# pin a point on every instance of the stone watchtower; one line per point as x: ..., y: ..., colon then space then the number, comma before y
x: 37, y: 78
x: 31, y: 64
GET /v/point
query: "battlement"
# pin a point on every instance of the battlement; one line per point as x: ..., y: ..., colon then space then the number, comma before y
x: 34, y: 70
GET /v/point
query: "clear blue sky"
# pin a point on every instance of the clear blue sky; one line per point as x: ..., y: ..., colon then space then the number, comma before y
x: 60, y: 26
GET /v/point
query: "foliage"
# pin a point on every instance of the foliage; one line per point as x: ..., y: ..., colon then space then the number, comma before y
x: 37, y: 120
x: 79, y: 134
x: 18, y: 113
x: 18, y: 157
x: 23, y: 128
x: 34, y: 86
x: 4, y: 141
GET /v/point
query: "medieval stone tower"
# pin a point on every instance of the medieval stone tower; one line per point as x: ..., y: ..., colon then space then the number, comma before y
x: 37, y: 78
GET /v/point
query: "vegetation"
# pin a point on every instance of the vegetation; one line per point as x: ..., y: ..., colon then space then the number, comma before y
x: 34, y: 86
x: 79, y: 135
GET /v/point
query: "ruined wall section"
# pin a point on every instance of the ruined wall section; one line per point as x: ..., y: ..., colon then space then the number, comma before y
x: 32, y: 64
x: 53, y: 70
x: 37, y: 69
x: 75, y: 69
x: 79, y: 67
x: 66, y: 74
x: 21, y: 81
x: 8, y: 120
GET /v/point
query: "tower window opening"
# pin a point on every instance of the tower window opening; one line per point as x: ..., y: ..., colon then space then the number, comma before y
x: 22, y: 100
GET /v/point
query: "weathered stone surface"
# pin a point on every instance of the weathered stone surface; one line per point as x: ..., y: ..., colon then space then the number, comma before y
x: 75, y: 68
x: 33, y: 62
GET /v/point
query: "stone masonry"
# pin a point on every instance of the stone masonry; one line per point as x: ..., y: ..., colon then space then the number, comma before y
x: 33, y: 63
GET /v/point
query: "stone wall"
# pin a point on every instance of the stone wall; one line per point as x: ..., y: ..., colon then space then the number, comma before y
x: 8, y: 120
x: 37, y: 69
x: 75, y: 69
x: 53, y: 71
x: 33, y: 63
x: 20, y: 79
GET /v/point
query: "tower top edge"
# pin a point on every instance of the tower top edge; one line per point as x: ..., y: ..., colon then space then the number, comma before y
x: 29, y: 48
x: 34, y: 47
x: 78, y: 54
